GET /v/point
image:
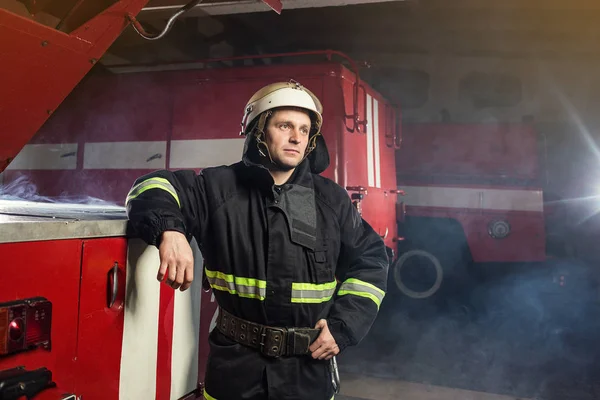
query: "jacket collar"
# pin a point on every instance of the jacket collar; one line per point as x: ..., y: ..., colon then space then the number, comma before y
x: 296, y: 200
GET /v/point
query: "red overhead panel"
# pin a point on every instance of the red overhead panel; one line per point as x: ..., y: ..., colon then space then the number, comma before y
x: 40, y: 66
x: 275, y: 5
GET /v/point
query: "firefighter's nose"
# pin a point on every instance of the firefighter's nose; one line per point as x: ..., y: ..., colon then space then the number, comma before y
x: 295, y: 137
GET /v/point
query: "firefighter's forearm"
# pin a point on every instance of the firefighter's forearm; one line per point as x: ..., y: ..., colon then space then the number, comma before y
x: 350, y: 319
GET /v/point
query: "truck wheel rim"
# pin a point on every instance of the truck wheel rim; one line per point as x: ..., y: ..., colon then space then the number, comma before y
x: 418, y: 294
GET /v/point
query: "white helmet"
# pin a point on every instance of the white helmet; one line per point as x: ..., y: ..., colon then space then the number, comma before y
x: 282, y: 94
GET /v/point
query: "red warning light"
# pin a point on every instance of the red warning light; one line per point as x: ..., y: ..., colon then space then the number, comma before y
x: 16, y: 328
x: 25, y: 324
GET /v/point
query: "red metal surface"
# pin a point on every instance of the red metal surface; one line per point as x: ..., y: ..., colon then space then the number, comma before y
x: 108, y: 107
x: 49, y: 269
x: 468, y: 154
x: 40, y: 66
x: 355, y: 154
x: 100, y: 328
x: 354, y: 115
x: 165, y: 339
x: 378, y: 205
x: 485, y: 156
x: 275, y: 5
x: 526, y: 243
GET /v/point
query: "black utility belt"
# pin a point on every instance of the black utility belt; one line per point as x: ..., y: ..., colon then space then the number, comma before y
x: 268, y: 340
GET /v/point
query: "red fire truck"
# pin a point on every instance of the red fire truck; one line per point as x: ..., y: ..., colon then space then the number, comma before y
x: 81, y: 313
x: 462, y: 194
x: 473, y: 197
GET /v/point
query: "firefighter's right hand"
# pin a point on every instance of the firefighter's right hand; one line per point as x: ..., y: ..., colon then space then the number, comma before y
x: 176, y: 260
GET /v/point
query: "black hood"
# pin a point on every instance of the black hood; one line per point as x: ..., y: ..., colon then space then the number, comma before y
x: 318, y: 158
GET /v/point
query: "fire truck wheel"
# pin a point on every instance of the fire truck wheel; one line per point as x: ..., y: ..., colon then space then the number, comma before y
x: 425, y: 262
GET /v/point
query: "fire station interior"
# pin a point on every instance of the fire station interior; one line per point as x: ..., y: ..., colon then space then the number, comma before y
x: 494, y: 325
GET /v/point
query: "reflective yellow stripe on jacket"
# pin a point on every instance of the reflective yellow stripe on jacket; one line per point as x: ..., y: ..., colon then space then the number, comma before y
x: 312, y: 293
x: 360, y: 288
x: 243, y: 287
x: 152, y: 183
x: 208, y: 396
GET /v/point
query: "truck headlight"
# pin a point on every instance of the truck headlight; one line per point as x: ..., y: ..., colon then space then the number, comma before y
x: 499, y: 229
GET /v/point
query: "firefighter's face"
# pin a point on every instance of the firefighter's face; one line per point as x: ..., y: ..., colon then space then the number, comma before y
x: 287, y: 136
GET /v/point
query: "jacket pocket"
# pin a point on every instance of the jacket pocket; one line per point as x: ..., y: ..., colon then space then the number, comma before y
x: 321, y: 269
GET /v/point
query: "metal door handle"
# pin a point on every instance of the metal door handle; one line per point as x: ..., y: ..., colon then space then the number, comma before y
x: 115, y: 285
x: 385, y: 235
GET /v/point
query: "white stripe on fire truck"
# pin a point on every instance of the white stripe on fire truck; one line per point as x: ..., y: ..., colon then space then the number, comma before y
x: 46, y: 156
x: 370, y: 171
x: 376, y: 144
x: 125, y: 155
x: 140, y: 329
x: 473, y: 198
x: 186, y: 333
x: 203, y: 153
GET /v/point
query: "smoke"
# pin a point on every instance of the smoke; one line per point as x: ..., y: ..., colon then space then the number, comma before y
x: 517, y: 333
x: 22, y: 189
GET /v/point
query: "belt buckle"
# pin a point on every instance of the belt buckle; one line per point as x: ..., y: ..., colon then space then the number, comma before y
x: 272, y: 342
x: 299, y: 342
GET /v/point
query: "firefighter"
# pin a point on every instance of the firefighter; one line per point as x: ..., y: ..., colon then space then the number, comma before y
x: 297, y: 273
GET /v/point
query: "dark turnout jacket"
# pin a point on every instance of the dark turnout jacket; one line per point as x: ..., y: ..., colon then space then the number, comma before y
x: 283, y: 256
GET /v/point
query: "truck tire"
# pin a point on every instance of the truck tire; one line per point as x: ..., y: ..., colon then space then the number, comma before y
x: 430, y: 261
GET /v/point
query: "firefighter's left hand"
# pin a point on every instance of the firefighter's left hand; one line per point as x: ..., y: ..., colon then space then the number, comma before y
x: 325, y: 347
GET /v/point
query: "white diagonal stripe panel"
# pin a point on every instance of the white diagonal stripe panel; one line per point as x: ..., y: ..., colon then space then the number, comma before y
x: 125, y: 155
x: 140, y: 329
x: 46, y: 156
x: 473, y: 198
x: 203, y: 153
x: 186, y: 333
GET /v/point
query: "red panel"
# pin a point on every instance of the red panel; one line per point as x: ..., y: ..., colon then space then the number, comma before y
x: 355, y: 144
x: 269, y: 74
x: 387, y: 158
x: 63, y: 126
x: 333, y: 128
x: 525, y: 243
x: 275, y: 5
x: 193, y: 119
x: 378, y: 207
x: 100, y: 327
x: 165, y: 341
x: 49, y: 269
x: 40, y: 66
x: 452, y: 153
x: 388, y: 152
x: 127, y: 107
